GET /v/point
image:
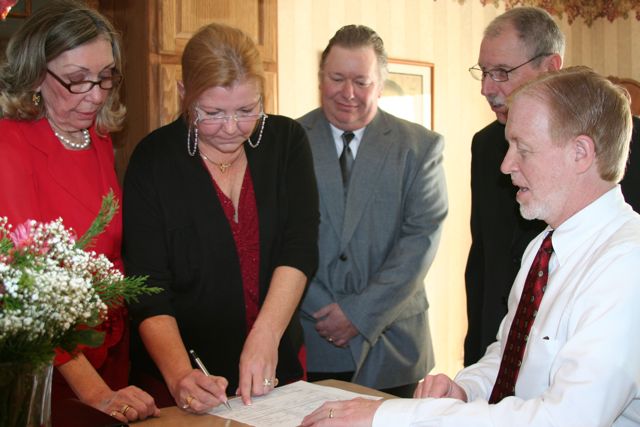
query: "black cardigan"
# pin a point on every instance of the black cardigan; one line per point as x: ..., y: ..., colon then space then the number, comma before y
x: 175, y: 231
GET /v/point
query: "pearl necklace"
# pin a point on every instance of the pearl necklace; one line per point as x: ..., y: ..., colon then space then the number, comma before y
x: 222, y: 166
x: 86, y: 140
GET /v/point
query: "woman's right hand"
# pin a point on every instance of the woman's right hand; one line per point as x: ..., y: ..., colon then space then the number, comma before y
x: 198, y: 393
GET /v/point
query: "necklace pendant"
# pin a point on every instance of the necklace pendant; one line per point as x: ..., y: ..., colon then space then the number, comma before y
x: 224, y: 166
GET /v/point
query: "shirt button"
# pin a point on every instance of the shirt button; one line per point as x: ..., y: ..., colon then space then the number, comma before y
x: 343, y: 257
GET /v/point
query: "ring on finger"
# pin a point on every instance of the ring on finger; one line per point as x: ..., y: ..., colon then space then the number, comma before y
x: 330, y: 412
x: 187, y: 402
x: 330, y: 339
x: 113, y: 413
x: 267, y: 382
x: 124, y: 409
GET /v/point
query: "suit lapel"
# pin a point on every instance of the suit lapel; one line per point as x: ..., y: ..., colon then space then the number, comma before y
x: 327, y: 169
x: 372, y: 154
x: 63, y: 167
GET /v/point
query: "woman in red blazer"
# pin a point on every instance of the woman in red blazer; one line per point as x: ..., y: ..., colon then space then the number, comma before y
x: 59, y: 100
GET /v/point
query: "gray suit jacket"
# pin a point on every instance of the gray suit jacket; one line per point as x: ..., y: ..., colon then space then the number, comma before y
x: 375, y: 249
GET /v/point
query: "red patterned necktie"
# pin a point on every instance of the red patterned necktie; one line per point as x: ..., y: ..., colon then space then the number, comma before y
x: 534, y: 288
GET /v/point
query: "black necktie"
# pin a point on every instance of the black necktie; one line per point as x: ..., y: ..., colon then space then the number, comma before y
x: 346, y: 159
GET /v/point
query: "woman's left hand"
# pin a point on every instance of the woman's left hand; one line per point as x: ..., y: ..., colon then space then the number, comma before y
x: 258, y: 363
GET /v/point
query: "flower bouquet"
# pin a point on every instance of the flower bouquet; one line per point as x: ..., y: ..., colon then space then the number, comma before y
x: 52, y: 293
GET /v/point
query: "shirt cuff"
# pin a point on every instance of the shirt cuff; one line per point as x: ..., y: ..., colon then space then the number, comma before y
x: 395, y: 412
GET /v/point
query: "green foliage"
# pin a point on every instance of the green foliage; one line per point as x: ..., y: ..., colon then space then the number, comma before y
x: 108, y: 209
x: 52, y: 293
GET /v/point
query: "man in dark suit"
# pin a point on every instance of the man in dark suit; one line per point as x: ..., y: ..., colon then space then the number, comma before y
x: 517, y: 46
x: 382, y: 204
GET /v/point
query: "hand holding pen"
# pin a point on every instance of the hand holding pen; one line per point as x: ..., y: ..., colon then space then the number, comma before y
x: 204, y: 370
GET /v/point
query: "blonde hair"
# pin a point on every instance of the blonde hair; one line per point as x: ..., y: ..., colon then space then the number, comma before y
x: 218, y: 56
x: 57, y: 27
x: 582, y: 102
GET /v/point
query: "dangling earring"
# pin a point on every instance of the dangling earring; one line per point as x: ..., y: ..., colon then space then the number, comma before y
x: 36, y: 98
x: 192, y: 151
x: 264, y: 119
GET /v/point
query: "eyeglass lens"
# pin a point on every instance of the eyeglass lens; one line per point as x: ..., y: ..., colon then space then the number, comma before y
x: 84, y: 86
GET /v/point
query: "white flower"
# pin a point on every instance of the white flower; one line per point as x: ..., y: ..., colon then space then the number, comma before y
x: 47, y: 283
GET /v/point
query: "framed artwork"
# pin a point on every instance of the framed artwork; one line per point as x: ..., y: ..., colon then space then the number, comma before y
x: 22, y: 9
x: 408, y: 91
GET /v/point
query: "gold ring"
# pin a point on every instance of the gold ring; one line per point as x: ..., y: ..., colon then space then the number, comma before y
x: 331, y: 413
x: 113, y: 413
x: 275, y: 382
x: 188, y: 401
x: 124, y: 410
x: 267, y: 382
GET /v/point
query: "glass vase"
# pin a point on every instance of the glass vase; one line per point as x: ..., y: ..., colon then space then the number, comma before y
x: 25, y: 395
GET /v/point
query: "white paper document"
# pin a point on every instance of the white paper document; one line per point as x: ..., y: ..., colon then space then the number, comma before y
x: 285, y: 406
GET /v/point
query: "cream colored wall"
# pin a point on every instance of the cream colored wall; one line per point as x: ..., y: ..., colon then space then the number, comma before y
x: 447, y: 34
x: 609, y: 48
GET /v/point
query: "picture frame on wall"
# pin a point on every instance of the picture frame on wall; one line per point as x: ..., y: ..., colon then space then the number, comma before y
x: 408, y: 91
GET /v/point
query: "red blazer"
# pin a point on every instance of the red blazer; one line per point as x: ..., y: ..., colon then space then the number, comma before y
x: 42, y: 180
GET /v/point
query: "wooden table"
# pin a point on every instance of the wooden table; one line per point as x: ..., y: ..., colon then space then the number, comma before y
x: 174, y: 416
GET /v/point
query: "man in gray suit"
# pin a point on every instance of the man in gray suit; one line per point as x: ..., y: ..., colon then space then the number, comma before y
x: 382, y: 204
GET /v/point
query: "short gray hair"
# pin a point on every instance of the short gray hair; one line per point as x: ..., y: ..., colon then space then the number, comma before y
x: 536, y: 30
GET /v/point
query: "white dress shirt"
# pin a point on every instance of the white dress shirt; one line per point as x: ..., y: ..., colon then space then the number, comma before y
x: 582, y: 362
x: 354, y: 144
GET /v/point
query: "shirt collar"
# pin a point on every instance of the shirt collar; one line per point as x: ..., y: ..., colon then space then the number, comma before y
x: 355, y: 142
x: 579, y: 228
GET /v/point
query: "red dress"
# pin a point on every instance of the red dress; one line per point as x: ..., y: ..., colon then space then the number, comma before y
x: 42, y: 180
x: 246, y: 235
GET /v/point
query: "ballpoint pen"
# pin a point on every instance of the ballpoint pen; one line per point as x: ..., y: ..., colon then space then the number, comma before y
x: 205, y: 371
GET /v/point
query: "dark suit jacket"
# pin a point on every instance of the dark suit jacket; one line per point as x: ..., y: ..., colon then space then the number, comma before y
x: 500, y: 235
x: 376, y: 247
x: 175, y: 231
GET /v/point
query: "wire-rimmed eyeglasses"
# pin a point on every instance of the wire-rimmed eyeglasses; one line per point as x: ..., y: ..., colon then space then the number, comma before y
x: 85, y: 86
x: 499, y: 74
x: 220, y: 118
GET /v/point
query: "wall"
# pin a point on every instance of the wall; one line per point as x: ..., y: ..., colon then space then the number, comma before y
x: 609, y: 48
x: 448, y: 34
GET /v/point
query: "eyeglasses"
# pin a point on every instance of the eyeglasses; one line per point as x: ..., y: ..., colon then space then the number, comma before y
x: 220, y: 118
x: 499, y: 74
x: 85, y: 86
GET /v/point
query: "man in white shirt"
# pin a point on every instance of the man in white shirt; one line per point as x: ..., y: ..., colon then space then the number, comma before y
x: 568, y: 134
